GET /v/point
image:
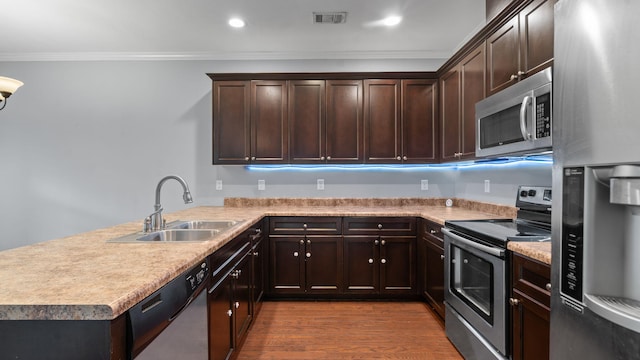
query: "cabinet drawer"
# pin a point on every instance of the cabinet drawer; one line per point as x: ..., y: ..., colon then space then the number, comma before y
x: 379, y: 226
x: 431, y: 229
x: 310, y: 225
x: 531, y: 278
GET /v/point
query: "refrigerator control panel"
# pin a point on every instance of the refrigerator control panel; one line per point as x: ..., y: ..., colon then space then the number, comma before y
x: 571, y: 277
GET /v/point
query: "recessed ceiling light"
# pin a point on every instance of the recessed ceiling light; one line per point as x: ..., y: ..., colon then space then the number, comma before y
x: 236, y: 22
x: 392, y: 20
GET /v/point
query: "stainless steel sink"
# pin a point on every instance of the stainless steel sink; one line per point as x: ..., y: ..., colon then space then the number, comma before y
x: 182, y: 235
x: 181, y: 231
x: 203, y: 224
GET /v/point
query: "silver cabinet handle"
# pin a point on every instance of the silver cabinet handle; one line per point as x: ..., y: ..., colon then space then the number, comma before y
x: 255, y: 253
x: 321, y: 157
x: 253, y: 158
x: 548, y: 287
x: 308, y: 254
x: 328, y: 157
x: 441, y: 257
x: 237, y: 304
x: 465, y: 261
x: 376, y: 242
x: 379, y: 226
x: 398, y: 158
x: 246, y: 158
x: 405, y: 158
x: 308, y: 242
x: 432, y: 231
x: 230, y: 313
x: 370, y: 261
x: 514, y: 302
x: 383, y: 242
x: 295, y: 254
x: 301, y: 241
x: 384, y: 261
x: 304, y: 226
x: 513, y: 77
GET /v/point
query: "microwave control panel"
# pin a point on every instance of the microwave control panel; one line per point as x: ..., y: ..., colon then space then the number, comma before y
x: 543, y: 115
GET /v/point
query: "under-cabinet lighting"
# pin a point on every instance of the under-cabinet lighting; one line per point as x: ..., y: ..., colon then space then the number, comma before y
x: 477, y: 164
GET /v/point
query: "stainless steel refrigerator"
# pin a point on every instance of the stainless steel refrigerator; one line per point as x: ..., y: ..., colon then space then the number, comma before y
x: 595, y: 307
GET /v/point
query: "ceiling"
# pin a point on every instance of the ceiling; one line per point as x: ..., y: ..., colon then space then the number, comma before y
x: 197, y: 29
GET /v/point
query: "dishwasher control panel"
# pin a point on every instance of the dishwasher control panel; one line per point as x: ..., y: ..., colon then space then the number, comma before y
x: 196, y: 276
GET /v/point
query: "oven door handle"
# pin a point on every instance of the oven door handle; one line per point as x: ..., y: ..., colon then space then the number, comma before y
x: 487, y: 249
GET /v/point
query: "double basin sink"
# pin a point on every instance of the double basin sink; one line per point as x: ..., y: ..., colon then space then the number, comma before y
x: 182, y: 231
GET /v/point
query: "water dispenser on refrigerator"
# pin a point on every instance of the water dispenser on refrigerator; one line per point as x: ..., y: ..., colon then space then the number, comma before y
x: 601, y: 242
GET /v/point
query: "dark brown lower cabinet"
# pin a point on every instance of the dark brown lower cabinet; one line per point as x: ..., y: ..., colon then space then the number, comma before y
x: 305, y: 264
x: 380, y: 264
x: 530, y: 298
x: 431, y: 265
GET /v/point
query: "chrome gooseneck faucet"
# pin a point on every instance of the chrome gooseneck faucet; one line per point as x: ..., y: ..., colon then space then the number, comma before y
x: 155, y: 221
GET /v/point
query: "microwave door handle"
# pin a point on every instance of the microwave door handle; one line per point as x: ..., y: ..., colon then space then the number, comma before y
x: 523, y: 117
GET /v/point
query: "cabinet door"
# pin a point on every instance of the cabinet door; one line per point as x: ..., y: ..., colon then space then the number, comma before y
x: 259, y: 274
x: 345, y: 134
x: 419, y: 121
x: 287, y: 264
x: 307, y: 121
x: 242, y: 300
x: 503, y: 51
x: 434, y: 284
x: 269, y: 127
x: 530, y: 328
x: 382, y: 121
x: 450, y: 114
x: 231, y: 122
x: 397, y: 265
x: 536, y: 36
x: 323, y: 256
x: 361, y: 267
x: 472, y: 88
x: 220, y: 320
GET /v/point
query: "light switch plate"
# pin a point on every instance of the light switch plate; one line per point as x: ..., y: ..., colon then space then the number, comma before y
x: 424, y: 184
x: 261, y: 185
x: 320, y: 184
x: 218, y: 184
x: 487, y: 186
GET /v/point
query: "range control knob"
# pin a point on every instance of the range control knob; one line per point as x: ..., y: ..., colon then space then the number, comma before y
x: 523, y: 193
x: 532, y: 193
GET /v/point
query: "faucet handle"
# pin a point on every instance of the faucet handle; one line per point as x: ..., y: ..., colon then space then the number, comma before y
x: 146, y: 226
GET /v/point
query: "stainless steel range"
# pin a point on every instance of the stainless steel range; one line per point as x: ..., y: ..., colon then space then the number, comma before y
x: 477, y: 273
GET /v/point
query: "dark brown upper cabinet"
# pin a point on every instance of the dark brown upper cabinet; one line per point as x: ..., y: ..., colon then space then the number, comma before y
x: 250, y: 122
x: 269, y: 125
x: 231, y: 125
x: 461, y: 87
x: 307, y: 115
x: 345, y: 134
x: 325, y: 121
x: 520, y: 47
x: 400, y: 124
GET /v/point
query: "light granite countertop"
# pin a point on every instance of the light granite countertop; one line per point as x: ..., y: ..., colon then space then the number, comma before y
x: 84, y: 277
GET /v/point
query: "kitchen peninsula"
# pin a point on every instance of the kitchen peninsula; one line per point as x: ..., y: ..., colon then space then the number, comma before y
x: 84, y: 278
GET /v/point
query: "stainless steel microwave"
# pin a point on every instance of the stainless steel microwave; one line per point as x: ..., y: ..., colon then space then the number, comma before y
x: 516, y: 120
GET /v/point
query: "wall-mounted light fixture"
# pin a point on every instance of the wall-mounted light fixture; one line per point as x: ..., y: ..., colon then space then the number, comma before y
x: 7, y: 87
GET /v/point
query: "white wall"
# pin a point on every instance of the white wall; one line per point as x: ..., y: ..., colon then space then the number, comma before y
x: 83, y: 145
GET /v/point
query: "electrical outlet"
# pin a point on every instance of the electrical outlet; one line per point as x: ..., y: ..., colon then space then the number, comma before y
x: 261, y: 185
x: 320, y: 184
x: 424, y: 184
x: 218, y: 184
x: 487, y: 186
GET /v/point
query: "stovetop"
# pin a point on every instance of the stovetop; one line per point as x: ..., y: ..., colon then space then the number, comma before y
x: 533, y: 222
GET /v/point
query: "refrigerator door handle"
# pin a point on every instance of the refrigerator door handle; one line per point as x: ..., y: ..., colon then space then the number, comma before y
x: 523, y: 117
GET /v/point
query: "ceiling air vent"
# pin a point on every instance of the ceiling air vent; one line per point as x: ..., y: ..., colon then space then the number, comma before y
x: 329, y: 17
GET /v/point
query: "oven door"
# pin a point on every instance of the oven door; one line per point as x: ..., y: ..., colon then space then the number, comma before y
x: 475, y: 280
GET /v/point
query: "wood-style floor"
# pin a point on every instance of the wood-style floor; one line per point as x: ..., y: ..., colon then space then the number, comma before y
x: 300, y: 330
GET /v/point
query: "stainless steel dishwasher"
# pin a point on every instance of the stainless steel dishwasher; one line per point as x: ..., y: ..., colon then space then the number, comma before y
x: 171, y: 323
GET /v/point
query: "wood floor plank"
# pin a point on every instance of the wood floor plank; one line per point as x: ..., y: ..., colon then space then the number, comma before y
x: 301, y: 330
